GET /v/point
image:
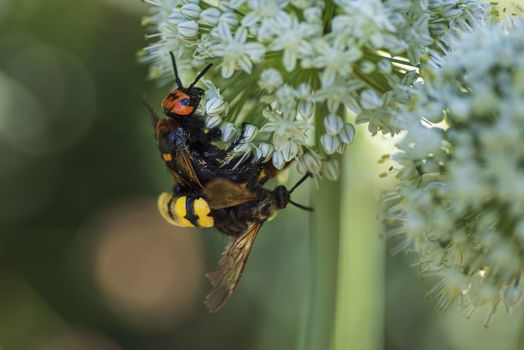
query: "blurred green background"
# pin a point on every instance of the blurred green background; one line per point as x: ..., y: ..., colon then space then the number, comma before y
x: 86, y: 262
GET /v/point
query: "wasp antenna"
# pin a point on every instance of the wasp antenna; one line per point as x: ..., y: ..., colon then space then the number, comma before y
x: 299, y: 182
x: 154, y: 116
x: 200, y: 75
x: 177, y: 78
x: 303, y: 207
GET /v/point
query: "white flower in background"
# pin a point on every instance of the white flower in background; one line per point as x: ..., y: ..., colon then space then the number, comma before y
x: 335, y: 58
x: 264, y: 14
x: 303, y: 61
x: 234, y: 50
x: 367, y: 20
x: 289, y: 136
x: 291, y: 37
x: 460, y: 201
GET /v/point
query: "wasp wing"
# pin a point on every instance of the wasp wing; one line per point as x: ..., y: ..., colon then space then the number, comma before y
x: 177, y: 155
x: 230, y: 267
x: 223, y: 193
x: 186, y: 170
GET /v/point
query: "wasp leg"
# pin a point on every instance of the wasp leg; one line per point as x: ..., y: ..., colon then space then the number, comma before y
x: 263, y: 180
x: 239, y: 139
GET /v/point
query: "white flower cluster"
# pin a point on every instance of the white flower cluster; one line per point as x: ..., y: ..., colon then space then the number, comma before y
x: 460, y: 202
x: 293, y: 67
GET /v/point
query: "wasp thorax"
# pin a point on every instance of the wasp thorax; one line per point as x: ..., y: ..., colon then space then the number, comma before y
x: 179, y: 103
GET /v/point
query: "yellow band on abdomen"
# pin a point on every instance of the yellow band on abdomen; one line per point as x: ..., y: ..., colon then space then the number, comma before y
x: 173, y: 209
x: 202, y: 210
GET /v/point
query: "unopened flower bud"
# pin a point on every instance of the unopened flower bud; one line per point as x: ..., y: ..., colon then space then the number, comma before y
x: 263, y: 151
x: 331, y: 169
x: 333, y: 124
x: 512, y: 296
x: 347, y: 134
x: 188, y: 29
x: 306, y: 108
x: 312, y: 163
x: 367, y: 67
x: 278, y: 160
x: 228, y: 131
x: 216, y: 106
x: 176, y: 17
x: 249, y: 132
x: 330, y: 143
x: 370, y: 99
x: 210, y: 16
x: 290, y: 151
x: 213, y: 121
x: 190, y: 10
x: 229, y: 19
x: 243, y: 148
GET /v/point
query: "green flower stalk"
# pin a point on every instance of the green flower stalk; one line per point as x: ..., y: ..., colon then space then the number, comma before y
x: 279, y: 61
x: 460, y: 201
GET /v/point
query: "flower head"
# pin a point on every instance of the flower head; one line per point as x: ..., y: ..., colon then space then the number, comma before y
x: 460, y: 201
x: 309, y: 62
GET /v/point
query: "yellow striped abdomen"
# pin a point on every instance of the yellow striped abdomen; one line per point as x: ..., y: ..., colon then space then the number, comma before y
x: 184, y: 211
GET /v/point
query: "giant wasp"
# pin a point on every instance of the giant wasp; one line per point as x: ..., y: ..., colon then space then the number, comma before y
x: 210, y: 192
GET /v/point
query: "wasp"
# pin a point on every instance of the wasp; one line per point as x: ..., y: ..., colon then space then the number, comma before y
x: 187, y: 146
x: 209, y: 192
x: 235, y: 211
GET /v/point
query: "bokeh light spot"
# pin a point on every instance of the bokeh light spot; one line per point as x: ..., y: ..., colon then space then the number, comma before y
x: 149, y: 272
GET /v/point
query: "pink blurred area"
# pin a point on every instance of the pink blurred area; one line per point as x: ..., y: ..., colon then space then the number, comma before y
x: 149, y: 272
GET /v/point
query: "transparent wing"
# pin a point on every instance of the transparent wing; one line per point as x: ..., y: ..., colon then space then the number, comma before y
x: 225, y: 278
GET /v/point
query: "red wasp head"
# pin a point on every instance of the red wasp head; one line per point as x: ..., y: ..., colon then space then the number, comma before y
x: 182, y: 102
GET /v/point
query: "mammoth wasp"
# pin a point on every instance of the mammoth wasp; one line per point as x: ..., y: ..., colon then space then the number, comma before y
x: 209, y: 192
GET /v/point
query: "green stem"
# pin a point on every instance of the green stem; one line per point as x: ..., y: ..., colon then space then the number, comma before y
x: 383, y: 88
x: 520, y: 345
x: 329, y: 11
x: 360, y: 301
x: 317, y: 330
